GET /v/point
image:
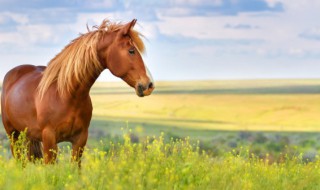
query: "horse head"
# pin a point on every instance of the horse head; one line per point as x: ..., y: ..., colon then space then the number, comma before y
x: 120, y: 52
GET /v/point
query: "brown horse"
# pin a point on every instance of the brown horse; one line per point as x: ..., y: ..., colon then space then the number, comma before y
x: 53, y: 102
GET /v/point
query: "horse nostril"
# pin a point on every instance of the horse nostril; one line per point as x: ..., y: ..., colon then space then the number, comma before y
x: 150, y: 85
x: 140, y: 90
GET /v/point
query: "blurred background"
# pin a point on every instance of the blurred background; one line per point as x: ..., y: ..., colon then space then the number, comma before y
x: 229, y: 73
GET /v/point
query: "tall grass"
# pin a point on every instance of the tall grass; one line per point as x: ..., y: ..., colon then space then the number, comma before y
x: 154, y: 164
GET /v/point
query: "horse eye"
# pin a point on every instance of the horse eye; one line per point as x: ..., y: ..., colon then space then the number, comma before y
x: 131, y: 51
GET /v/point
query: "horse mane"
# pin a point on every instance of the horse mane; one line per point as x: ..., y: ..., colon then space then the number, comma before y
x: 78, y: 62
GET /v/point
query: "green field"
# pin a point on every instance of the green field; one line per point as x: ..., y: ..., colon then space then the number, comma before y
x: 205, y: 109
x: 278, y: 105
x: 249, y: 134
x: 210, y: 110
x: 266, y: 115
x: 251, y: 105
x: 154, y: 164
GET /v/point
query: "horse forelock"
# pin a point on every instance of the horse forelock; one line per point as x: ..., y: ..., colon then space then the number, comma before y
x: 137, y: 41
x: 78, y: 62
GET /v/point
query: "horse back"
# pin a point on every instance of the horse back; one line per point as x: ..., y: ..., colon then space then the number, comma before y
x: 16, y: 73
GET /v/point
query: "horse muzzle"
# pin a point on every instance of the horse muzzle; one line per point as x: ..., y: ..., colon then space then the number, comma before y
x: 144, y: 90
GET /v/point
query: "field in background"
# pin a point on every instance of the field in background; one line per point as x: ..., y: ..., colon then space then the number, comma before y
x: 261, y: 134
x: 259, y: 105
x: 275, y: 105
x: 264, y: 113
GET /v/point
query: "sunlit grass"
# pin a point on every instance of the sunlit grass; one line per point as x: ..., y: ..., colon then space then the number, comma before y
x: 154, y: 164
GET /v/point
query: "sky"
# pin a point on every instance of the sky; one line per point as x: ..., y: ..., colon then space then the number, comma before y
x: 185, y: 39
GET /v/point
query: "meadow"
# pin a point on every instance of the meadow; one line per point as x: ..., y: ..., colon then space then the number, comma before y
x: 251, y: 134
x: 154, y: 164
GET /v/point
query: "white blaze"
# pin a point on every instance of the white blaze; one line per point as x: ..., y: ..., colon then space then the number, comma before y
x: 149, y: 74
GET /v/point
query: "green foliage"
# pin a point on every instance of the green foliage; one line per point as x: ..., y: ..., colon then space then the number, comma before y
x: 156, y: 163
x: 20, y: 148
x: 237, y: 110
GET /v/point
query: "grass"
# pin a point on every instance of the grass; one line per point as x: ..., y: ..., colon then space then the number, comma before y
x: 155, y: 164
x: 216, y: 112
x: 279, y: 105
x: 277, y: 121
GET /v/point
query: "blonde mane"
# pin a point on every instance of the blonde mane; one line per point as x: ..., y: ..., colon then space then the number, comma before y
x: 78, y: 62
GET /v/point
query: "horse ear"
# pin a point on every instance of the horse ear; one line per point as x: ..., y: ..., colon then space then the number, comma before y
x: 126, y: 28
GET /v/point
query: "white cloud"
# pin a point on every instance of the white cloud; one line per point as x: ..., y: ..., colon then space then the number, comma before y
x: 99, y: 3
x: 296, y: 52
x: 30, y: 36
x: 147, y: 29
x: 311, y: 34
x: 280, y: 31
x: 176, y: 11
x: 41, y: 33
x: 10, y: 37
x: 272, y: 3
x: 197, y: 2
x: 16, y: 17
x: 201, y: 27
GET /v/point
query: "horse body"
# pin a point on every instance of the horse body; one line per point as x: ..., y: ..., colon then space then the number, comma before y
x: 61, y: 110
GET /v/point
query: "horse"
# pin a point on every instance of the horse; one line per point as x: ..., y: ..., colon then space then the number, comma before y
x: 52, y: 103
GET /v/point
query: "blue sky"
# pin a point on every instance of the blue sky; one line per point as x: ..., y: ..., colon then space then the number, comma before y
x: 186, y: 39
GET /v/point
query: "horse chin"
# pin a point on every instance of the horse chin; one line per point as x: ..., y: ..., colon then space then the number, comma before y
x: 141, y: 93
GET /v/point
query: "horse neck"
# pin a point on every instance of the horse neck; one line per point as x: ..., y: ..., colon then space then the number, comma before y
x: 84, y: 88
x: 102, y: 45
